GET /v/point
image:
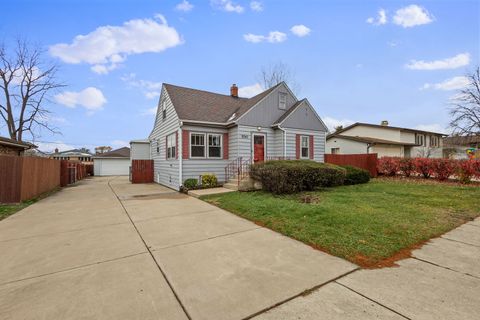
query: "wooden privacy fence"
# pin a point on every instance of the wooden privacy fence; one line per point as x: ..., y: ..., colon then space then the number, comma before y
x: 23, y: 178
x: 141, y: 171
x: 367, y: 161
x: 73, y: 171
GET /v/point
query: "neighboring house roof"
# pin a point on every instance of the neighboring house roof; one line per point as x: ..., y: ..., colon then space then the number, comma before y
x: 118, y: 153
x: 16, y: 144
x: 204, y: 106
x: 386, y: 127
x: 370, y: 140
x: 72, y: 152
x: 140, y: 141
x: 461, y: 140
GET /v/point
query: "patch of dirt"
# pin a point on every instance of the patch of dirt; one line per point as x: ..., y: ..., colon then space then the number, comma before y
x: 309, y: 198
x: 368, y: 263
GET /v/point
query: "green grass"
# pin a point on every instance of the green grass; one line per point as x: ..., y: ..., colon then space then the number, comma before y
x: 9, y: 209
x: 364, y: 223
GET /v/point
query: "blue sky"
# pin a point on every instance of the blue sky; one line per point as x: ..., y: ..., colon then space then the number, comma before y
x: 354, y: 60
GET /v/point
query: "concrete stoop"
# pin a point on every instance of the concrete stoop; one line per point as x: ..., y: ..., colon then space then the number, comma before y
x: 245, y: 184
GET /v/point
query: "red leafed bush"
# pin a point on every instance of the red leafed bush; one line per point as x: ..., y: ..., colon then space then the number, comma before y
x: 466, y: 169
x: 476, y: 166
x: 406, y: 166
x: 443, y: 168
x: 388, y: 166
x: 423, y: 166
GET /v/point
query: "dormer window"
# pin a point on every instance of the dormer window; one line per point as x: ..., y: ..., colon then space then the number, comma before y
x: 282, y: 100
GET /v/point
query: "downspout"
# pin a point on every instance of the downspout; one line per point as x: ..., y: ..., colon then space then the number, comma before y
x: 284, y: 141
x: 180, y: 155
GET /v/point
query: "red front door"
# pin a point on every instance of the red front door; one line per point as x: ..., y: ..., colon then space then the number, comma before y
x: 258, y: 148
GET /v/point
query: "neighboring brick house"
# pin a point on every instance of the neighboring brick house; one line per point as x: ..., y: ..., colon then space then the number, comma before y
x: 14, y: 147
x: 198, y: 132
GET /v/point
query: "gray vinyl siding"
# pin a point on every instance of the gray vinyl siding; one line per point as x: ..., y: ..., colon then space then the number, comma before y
x: 244, y: 143
x: 139, y: 151
x: 266, y: 112
x: 165, y: 171
x: 318, y: 143
x: 193, y: 168
x: 304, y: 118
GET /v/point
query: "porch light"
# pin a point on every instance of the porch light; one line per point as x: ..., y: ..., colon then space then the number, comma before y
x: 259, y: 128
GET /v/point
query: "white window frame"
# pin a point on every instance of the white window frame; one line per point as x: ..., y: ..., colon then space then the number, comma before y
x: 171, y: 143
x: 337, y: 150
x: 308, y: 147
x: 422, y: 136
x: 434, y: 141
x: 208, y: 145
x: 282, y: 96
x: 204, y: 145
x: 163, y: 107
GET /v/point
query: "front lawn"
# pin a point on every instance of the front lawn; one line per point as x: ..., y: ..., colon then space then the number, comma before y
x: 370, y: 224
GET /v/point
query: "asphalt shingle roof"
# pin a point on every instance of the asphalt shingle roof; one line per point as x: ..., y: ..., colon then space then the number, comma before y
x: 117, y: 153
x: 199, y: 105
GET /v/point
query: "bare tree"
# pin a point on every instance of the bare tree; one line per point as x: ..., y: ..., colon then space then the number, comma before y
x: 273, y: 74
x: 465, y: 110
x: 26, y: 83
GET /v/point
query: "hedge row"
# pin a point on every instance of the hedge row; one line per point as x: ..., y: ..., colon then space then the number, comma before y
x: 441, y: 169
x: 290, y: 176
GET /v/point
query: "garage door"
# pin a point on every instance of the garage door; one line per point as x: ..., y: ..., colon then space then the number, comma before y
x: 111, y: 167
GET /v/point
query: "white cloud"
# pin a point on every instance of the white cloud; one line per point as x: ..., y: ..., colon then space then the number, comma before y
x: 227, y: 5
x: 250, y: 91
x: 454, y: 83
x: 300, y: 30
x: 184, y: 6
x: 434, y: 127
x: 120, y: 144
x: 381, y: 18
x: 107, y: 46
x: 412, y: 15
x: 457, y: 61
x: 149, y: 112
x: 256, y: 6
x: 90, y: 98
x: 331, y: 123
x: 273, y: 37
x: 150, y: 89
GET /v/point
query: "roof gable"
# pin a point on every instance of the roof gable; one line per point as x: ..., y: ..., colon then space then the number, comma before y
x: 292, y: 115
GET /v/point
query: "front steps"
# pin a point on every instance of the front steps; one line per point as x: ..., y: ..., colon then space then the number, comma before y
x: 246, y: 184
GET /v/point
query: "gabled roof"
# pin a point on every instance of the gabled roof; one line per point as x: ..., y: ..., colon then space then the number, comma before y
x: 17, y: 144
x: 288, y: 112
x: 386, y: 127
x: 370, y: 140
x: 117, y: 153
x: 204, y: 106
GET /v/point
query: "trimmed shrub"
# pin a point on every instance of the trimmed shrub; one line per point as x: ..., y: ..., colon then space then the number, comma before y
x: 355, y: 175
x: 209, y: 180
x: 388, y: 166
x: 466, y: 169
x: 443, y: 168
x: 406, y: 166
x: 423, y: 166
x: 190, y: 183
x: 290, y: 176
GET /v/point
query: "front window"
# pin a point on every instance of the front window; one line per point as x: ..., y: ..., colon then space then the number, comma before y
x: 434, y: 141
x: 282, y: 100
x: 305, y: 147
x: 335, y: 150
x: 171, y: 146
x: 419, y: 139
x: 214, y: 146
x: 197, y: 145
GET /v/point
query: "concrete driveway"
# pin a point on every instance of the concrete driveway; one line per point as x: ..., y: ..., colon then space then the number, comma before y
x: 107, y: 249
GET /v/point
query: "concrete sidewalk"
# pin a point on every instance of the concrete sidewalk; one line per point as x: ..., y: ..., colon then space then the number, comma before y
x: 107, y: 249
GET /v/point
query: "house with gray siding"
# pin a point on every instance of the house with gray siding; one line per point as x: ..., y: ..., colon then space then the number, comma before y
x: 198, y: 132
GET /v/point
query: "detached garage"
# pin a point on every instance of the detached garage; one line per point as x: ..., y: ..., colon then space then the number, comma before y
x: 113, y: 163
